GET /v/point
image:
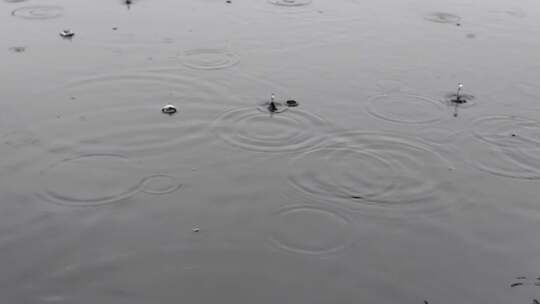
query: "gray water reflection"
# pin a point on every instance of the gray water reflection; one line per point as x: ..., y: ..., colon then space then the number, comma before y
x: 370, y: 191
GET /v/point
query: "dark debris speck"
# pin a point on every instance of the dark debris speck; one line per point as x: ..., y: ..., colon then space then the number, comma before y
x: 516, y: 284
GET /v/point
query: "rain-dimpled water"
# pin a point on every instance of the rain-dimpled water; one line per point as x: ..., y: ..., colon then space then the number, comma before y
x: 270, y: 151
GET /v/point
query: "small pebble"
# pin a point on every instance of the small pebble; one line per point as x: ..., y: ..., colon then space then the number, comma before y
x: 168, y: 109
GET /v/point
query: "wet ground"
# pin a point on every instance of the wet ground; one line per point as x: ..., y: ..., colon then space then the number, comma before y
x: 377, y: 188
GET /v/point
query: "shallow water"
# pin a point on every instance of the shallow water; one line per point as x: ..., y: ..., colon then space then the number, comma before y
x: 376, y: 189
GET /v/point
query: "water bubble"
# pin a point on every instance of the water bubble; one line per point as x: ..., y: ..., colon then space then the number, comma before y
x: 168, y: 109
x: 67, y: 34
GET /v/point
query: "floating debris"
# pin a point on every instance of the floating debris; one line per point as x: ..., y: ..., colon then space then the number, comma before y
x: 228, y: 1
x: 196, y: 229
x: 291, y: 103
x: 67, y: 34
x: 169, y: 109
x: 114, y: 28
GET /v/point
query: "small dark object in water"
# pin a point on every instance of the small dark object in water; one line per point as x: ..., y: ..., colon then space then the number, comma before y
x: 516, y: 284
x: 535, y: 301
x: 67, y: 34
x: 18, y: 49
x: 514, y: 135
x: 459, y: 100
x: 458, y: 24
x: 356, y: 197
x: 291, y: 103
x: 114, y: 28
x: 169, y: 109
x: 228, y: 1
x: 272, y: 107
x: 426, y: 302
x: 196, y: 229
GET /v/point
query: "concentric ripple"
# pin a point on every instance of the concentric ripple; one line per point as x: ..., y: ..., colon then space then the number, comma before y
x: 210, y: 59
x: 290, y: 2
x: 90, y: 180
x: 160, y: 184
x: 135, y: 131
x: 251, y: 129
x: 312, y: 230
x: 441, y: 17
x: 123, y: 114
x: 38, y: 12
x: 508, y: 131
x: 410, y: 109
x: 506, y: 146
x: 375, y: 170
